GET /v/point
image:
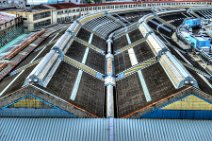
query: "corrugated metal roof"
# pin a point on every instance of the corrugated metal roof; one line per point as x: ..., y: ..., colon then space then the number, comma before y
x: 6, y: 17
x: 163, y: 130
x: 62, y: 129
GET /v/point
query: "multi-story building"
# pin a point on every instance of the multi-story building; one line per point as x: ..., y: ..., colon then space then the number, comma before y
x: 38, y: 2
x: 34, y: 18
x: 67, y: 12
x: 8, y: 20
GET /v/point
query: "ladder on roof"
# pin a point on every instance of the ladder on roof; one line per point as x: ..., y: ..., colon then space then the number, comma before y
x: 84, y: 67
x: 130, y: 46
x: 25, y: 67
x: 89, y: 45
x: 136, y: 68
x: 166, y: 23
x: 197, y: 70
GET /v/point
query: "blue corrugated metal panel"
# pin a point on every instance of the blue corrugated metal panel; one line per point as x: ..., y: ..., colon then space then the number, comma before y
x: 163, y: 130
x: 52, y: 129
x: 66, y: 129
x: 179, y: 114
x: 24, y: 112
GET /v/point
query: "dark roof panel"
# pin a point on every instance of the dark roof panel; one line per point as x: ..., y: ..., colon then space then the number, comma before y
x: 76, y: 51
x: 83, y: 34
x: 96, y: 61
x: 143, y: 52
x: 17, y: 81
x: 122, y: 62
x: 135, y: 35
x: 62, y: 82
x: 91, y: 95
x: 99, y: 42
x: 158, y: 82
x: 130, y: 95
x: 120, y: 42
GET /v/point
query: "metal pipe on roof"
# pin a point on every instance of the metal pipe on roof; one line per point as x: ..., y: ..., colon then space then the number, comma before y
x: 44, y: 71
x: 110, y: 101
x: 40, y: 71
x: 74, y: 27
x: 177, y: 73
x: 154, y: 42
x: 42, y: 75
x: 110, y: 79
x: 62, y: 42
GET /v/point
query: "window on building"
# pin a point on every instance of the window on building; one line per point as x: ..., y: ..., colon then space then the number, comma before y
x: 41, y: 24
x: 41, y: 15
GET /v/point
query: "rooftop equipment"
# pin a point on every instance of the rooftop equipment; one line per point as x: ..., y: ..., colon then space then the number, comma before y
x: 192, y: 23
x: 199, y: 43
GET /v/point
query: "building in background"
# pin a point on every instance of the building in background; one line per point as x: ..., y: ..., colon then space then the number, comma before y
x: 38, y: 2
x: 37, y: 16
x: 12, y: 3
x: 34, y: 18
x: 11, y: 26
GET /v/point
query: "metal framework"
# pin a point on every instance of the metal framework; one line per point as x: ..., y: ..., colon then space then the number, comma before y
x: 103, y: 25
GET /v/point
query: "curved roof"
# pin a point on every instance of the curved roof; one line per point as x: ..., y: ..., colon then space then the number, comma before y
x: 71, y: 75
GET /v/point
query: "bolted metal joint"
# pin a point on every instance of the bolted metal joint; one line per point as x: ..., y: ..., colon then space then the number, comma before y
x: 59, y: 51
x: 109, y: 41
x: 33, y: 79
x: 109, y: 80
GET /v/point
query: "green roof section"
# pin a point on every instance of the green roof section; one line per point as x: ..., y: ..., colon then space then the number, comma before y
x: 13, y: 42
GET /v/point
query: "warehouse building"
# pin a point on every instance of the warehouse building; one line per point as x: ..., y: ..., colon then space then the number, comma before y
x: 107, y: 65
